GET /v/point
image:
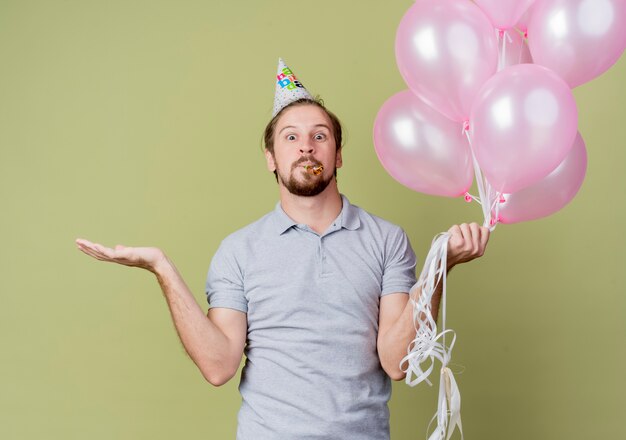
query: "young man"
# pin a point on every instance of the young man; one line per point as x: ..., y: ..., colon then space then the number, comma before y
x: 315, y: 292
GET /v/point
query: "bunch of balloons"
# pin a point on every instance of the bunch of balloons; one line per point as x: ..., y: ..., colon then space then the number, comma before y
x: 490, y: 96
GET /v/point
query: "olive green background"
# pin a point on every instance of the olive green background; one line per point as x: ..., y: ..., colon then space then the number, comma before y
x: 139, y: 122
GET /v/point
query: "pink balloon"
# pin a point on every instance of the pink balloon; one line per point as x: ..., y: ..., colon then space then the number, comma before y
x: 421, y: 148
x: 446, y: 50
x: 517, y: 51
x: 578, y: 39
x: 522, y: 125
x: 551, y: 193
x: 504, y: 14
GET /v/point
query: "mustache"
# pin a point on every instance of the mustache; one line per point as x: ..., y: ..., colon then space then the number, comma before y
x: 304, y: 159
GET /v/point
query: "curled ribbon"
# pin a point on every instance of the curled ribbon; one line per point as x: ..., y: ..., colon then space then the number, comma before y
x: 429, y: 345
x: 449, y: 404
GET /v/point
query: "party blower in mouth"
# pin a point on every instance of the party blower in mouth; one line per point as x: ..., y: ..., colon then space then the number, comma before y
x: 315, y: 170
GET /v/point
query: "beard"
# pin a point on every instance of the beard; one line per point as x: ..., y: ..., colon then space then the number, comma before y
x: 309, y: 185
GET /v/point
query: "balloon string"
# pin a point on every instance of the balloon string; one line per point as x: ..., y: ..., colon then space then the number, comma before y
x: 524, y: 37
x: 524, y: 42
x: 479, y: 183
x: 429, y: 346
x: 502, y: 35
x: 489, y: 199
x: 469, y: 197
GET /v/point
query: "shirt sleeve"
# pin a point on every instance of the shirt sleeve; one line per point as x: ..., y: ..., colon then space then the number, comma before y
x: 400, y: 261
x: 224, y: 284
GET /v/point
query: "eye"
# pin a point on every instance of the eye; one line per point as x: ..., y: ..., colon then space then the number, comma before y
x: 291, y: 137
x: 320, y: 136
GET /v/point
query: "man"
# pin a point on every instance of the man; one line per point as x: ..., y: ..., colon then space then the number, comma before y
x: 315, y: 292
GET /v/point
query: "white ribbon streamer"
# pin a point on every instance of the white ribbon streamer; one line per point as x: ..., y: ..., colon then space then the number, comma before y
x: 429, y: 345
x: 488, y: 199
x: 503, y: 35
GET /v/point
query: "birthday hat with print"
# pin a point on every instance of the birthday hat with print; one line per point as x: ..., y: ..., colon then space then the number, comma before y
x: 288, y: 88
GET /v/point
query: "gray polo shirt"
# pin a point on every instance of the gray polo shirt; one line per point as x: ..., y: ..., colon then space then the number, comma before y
x: 312, y: 300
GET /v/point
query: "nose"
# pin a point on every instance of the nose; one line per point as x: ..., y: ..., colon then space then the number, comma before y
x: 306, y: 148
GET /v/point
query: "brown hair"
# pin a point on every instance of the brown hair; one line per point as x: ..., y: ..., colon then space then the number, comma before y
x: 268, y: 137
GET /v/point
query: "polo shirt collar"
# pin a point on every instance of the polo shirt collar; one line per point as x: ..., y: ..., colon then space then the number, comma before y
x: 282, y: 220
x: 348, y: 217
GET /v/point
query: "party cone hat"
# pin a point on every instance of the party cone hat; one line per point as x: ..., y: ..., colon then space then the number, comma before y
x: 288, y: 88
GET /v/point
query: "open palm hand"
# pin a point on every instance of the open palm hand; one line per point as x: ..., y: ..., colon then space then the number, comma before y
x: 144, y: 257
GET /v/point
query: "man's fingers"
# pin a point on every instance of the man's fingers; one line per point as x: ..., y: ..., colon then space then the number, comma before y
x: 467, y: 236
x: 456, y: 237
x: 452, y: 230
x: 83, y: 242
x: 95, y: 250
x: 475, y: 231
x: 128, y: 256
x: 104, y: 251
x: 484, y: 236
x: 85, y: 246
x: 91, y: 252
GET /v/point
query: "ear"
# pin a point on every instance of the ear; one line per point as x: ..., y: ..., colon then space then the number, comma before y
x: 339, y: 159
x: 269, y: 158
